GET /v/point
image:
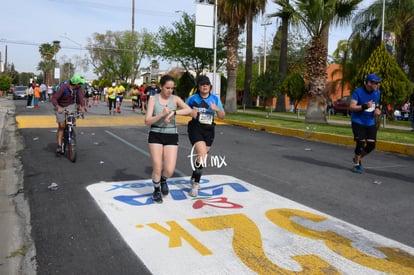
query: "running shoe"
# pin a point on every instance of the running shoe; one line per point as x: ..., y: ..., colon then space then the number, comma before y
x: 358, y: 169
x: 164, y: 187
x: 194, y: 188
x: 156, y: 196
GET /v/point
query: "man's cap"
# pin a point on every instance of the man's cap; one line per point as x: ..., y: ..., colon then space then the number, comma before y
x: 153, y: 81
x: 202, y: 79
x: 373, y: 78
x: 76, y: 79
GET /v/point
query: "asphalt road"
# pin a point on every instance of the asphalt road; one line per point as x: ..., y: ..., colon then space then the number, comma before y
x: 73, y: 236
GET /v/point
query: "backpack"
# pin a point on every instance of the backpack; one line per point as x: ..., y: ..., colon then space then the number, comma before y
x: 67, y: 90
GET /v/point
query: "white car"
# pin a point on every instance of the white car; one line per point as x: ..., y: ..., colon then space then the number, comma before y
x: 19, y: 92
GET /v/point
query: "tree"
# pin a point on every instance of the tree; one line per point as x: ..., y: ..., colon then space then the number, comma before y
x: 112, y: 55
x: 316, y: 16
x: 286, y: 14
x: 342, y: 56
x: 176, y: 44
x: 268, y: 84
x: 399, y: 18
x: 294, y: 86
x: 395, y: 87
x: 5, y: 84
x: 254, y: 8
x: 48, y: 53
x: 232, y: 13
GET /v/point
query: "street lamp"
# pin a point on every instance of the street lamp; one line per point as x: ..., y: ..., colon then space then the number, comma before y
x: 80, y: 50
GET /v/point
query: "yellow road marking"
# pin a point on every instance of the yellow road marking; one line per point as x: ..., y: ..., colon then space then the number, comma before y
x: 89, y: 121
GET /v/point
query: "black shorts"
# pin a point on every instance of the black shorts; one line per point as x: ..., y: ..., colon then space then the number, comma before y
x: 162, y: 138
x: 200, y: 132
x: 362, y: 132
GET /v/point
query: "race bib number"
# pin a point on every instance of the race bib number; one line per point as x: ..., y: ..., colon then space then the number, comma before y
x: 205, y: 118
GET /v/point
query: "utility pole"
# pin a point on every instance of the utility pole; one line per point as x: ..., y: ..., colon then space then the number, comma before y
x: 133, y: 44
x: 264, y: 24
x: 383, y: 15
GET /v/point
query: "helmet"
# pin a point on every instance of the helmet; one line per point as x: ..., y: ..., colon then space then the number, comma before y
x: 76, y: 79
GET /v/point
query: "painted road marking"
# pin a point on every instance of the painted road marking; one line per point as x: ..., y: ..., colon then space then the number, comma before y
x: 144, y: 152
x: 237, y: 228
x: 49, y: 121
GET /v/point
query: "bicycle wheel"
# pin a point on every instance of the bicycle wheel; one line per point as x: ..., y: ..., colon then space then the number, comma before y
x: 72, y: 146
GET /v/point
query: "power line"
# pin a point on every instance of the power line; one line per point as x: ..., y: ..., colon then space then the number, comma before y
x: 96, y: 5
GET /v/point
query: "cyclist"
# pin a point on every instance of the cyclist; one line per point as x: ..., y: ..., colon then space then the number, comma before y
x: 70, y: 96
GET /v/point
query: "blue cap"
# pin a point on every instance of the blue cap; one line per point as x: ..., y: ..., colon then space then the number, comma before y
x: 373, y: 78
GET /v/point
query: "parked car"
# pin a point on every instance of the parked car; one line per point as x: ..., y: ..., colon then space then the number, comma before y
x: 341, y: 105
x: 19, y: 92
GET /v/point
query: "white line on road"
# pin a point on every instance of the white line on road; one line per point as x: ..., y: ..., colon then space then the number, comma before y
x: 144, y: 152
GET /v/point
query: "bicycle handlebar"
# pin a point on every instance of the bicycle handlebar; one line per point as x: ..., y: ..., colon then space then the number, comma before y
x: 77, y: 114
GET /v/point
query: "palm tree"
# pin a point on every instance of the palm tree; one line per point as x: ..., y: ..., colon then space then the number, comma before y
x: 342, y: 56
x: 48, y: 54
x: 317, y: 16
x: 254, y: 8
x: 233, y: 14
x: 286, y: 14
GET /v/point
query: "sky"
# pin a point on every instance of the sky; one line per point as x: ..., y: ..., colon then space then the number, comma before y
x: 28, y: 23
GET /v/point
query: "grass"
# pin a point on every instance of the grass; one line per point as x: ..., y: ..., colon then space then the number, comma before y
x: 279, y: 120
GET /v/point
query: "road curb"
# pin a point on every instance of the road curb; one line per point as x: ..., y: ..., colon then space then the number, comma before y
x: 392, y: 147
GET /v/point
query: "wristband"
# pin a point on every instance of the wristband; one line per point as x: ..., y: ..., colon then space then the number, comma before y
x: 175, y: 112
x: 364, y: 106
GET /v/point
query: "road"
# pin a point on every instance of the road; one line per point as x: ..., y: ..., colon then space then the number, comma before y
x: 280, y: 195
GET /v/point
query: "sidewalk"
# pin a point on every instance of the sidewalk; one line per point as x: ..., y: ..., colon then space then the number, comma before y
x: 16, y: 248
x: 399, y: 148
x: 330, y: 120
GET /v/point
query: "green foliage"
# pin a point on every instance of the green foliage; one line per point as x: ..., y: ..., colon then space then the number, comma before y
x: 185, y: 84
x: 105, y: 83
x: 116, y: 55
x: 5, y: 82
x: 176, y: 44
x: 398, y: 18
x: 395, y: 87
x: 24, y: 78
x: 294, y: 86
x: 268, y: 84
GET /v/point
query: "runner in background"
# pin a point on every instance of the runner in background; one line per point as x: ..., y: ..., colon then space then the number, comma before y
x: 111, y: 99
x: 120, y: 92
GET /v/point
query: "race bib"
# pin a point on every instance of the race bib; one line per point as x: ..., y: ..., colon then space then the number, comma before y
x: 205, y: 118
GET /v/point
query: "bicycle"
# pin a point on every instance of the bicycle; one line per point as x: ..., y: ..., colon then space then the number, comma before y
x: 69, y: 134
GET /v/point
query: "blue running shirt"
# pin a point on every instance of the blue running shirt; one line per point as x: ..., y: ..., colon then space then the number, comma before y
x: 205, y: 113
x: 365, y: 117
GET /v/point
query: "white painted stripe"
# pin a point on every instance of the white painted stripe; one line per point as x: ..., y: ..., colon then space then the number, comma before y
x: 145, y: 153
x: 238, y: 228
